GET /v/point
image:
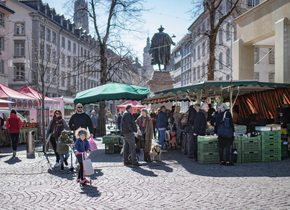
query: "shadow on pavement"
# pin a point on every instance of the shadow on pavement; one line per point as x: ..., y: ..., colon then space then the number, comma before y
x: 160, y: 166
x: 144, y: 172
x: 65, y: 174
x: 12, y: 160
x: 2, y: 156
x: 91, y: 191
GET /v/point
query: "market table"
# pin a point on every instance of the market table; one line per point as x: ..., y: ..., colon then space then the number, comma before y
x: 5, y: 136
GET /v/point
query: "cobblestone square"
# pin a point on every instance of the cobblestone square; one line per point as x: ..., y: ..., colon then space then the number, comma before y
x: 176, y: 183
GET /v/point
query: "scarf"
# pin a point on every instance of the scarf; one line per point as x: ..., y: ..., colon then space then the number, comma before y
x: 59, y: 129
x: 143, y: 121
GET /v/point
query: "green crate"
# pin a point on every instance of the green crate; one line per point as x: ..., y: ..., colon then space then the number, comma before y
x: 271, y: 158
x: 207, y: 138
x: 208, y: 158
x: 284, y: 153
x: 253, y: 156
x: 111, y: 139
x: 207, y: 146
x: 271, y: 146
x: 270, y: 152
x: 284, y: 145
x: 271, y: 139
x: 109, y: 148
x: 270, y: 133
x: 251, y: 144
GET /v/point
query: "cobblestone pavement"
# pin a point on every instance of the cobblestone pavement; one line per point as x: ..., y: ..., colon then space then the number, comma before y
x: 176, y: 183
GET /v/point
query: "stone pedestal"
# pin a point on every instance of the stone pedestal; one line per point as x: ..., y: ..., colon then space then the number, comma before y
x: 160, y: 80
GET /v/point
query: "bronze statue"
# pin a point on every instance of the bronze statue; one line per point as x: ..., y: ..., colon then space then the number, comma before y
x: 160, y: 48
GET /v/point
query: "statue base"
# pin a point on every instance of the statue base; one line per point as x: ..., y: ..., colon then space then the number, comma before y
x: 160, y: 80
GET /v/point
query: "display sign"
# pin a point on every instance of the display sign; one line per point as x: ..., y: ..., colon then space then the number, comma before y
x: 23, y: 104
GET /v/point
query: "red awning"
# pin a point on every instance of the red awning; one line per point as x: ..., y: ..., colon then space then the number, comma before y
x: 134, y: 104
x: 33, y: 93
x: 6, y: 92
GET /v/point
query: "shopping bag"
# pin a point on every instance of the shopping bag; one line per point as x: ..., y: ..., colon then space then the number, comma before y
x: 47, y: 142
x: 93, y: 144
x: 88, y: 166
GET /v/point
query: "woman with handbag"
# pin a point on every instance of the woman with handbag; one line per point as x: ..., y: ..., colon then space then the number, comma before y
x: 55, y: 127
x: 225, y: 129
x: 145, y: 131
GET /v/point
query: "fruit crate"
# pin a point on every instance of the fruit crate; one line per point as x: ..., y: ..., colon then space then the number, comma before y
x: 111, y: 139
x: 270, y: 139
x: 208, y: 158
x: 270, y: 134
x: 269, y: 152
x: 207, y: 146
x: 251, y: 144
x: 271, y: 158
x: 271, y: 146
x: 109, y: 148
x: 253, y: 156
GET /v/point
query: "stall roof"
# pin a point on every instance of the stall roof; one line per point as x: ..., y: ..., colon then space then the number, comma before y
x: 33, y: 93
x: 6, y: 92
x: 212, y: 89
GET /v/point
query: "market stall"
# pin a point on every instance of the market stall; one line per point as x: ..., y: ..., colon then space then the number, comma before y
x: 134, y: 104
x: 66, y: 106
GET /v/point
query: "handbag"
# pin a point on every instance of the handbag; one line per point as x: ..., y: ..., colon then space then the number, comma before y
x: 224, y: 129
x: 93, y: 144
x: 88, y: 166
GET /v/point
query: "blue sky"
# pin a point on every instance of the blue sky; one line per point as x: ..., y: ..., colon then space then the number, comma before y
x: 171, y: 14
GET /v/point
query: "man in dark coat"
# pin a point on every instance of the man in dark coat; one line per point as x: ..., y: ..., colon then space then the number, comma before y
x: 136, y: 114
x: 189, y: 130
x: 162, y: 124
x: 200, y: 124
x: 128, y: 128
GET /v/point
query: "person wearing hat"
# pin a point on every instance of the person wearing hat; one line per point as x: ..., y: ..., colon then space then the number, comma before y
x: 63, y: 147
x: 94, y: 119
x: 145, y: 125
x: 81, y: 145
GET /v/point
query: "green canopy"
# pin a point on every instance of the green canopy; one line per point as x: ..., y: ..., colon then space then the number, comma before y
x: 68, y: 106
x: 111, y: 91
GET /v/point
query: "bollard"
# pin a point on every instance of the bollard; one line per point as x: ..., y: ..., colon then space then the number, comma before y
x: 30, y: 146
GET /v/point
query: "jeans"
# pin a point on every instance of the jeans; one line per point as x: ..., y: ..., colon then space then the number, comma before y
x: 178, y: 135
x: 161, y: 137
x: 53, y: 142
x: 190, y: 144
x: 224, y: 143
x: 15, y: 139
x: 63, y: 157
x: 129, y: 143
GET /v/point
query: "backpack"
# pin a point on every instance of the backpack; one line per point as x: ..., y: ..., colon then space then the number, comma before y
x: 184, y: 118
x: 180, y: 124
x: 224, y: 129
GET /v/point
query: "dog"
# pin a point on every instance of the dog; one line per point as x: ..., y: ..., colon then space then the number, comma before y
x: 156, y: 150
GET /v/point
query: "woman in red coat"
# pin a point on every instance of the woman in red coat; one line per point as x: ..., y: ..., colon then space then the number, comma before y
x: 14, y: 124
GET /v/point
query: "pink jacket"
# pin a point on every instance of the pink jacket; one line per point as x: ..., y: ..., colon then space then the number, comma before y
x: 13, y: 123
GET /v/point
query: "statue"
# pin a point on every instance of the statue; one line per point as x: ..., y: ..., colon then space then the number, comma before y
x: 160, y: 48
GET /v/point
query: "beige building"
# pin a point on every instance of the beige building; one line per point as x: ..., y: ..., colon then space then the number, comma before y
x: 265, y: 26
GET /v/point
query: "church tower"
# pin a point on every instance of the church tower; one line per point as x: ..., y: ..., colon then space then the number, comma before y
x: 147, y: 58
x: 81, y: 15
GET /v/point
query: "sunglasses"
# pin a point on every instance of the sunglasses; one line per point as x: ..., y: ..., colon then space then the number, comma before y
x: 58, y: 113
x: 80, y: 107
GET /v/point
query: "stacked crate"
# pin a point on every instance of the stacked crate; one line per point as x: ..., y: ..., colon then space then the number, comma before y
x: 111, y: 143
x: 237, y: 144
x: 251, y: 149
x: 284, y: 143
x: 207, y: 150
x: 271, y: 145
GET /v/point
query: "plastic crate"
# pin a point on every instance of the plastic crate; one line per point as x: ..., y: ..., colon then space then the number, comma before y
x: 207, y: 146
x: 251, y: 144
x: 270, y: 133
x: 271, y: 158
x: 207, y: 138
x: 208, y: 158
x: 271, y: 146
x: 270, y: 139
x: 109, y: 149
x: 111, y: 139
x: 270, y: 152
x: 253, y: 156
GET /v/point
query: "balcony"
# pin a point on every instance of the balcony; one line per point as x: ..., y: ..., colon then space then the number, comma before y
x: 177, y: 72
x: 176, y: 85
x: 177, y: 59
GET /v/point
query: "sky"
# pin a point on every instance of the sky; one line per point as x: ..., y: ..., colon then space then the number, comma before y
x: 173, y: 15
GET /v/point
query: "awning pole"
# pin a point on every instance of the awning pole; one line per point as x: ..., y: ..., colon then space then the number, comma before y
x: 197, y: 97
x: 237, y: 96
x: 231, y: 99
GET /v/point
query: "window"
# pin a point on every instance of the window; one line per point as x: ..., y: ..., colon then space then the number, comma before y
x: 68, y: 61
x: 203, y: 48
x: 220, y: 61
x: 19, y: 48
x: 48, y: 34
x: 53, y: 37
x: 42, y: 31
x: 256, y: 76
x: 48, y: 52
x: 85, y: 53
x: 194, y: 74
x: 74, y: 48
x: 69, y: 45
x: 2, y: 19
x: 198, y: 52
x: 19, y: 71
x: 203, y: 70
x: 220, y: 36
x: 228, y: 31
x: 63, y: 79
x: 2, y: 46
x: 63, y: 42
x: 74, y: 62
x: 2, y: 67
x: 271, y: 77
x: 229, y: 5
x: 54, y: 57
x: 228, y: 59
x: 41, y: 51
x: 61, y: 21
x: 177, y: 65
x: 271, y: 55
x: 256, y: 55
x: 252, y: 3
x: 198, y: 73
x: 221, y: 78
x: 19, y: 29
x: 62, y: 59
x: 194, y: 54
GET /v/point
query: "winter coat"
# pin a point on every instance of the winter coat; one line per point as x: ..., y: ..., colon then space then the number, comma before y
x: 162, y: 121
x: 200, y: 123
x: 62, y: 145
x: 219, y: 118
x: 82, y: 146
x: 148, y: 132
x: 94, y: 119
x: 128, y: 123
x: 80, y: 121
x: 13, y: 124
x: 190, y: 122
x: 65, y: 126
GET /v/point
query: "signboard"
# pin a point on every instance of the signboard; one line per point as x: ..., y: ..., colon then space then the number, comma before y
x: 23, y: 104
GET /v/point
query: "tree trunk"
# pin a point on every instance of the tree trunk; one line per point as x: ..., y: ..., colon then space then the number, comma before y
x: 210, y: 75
